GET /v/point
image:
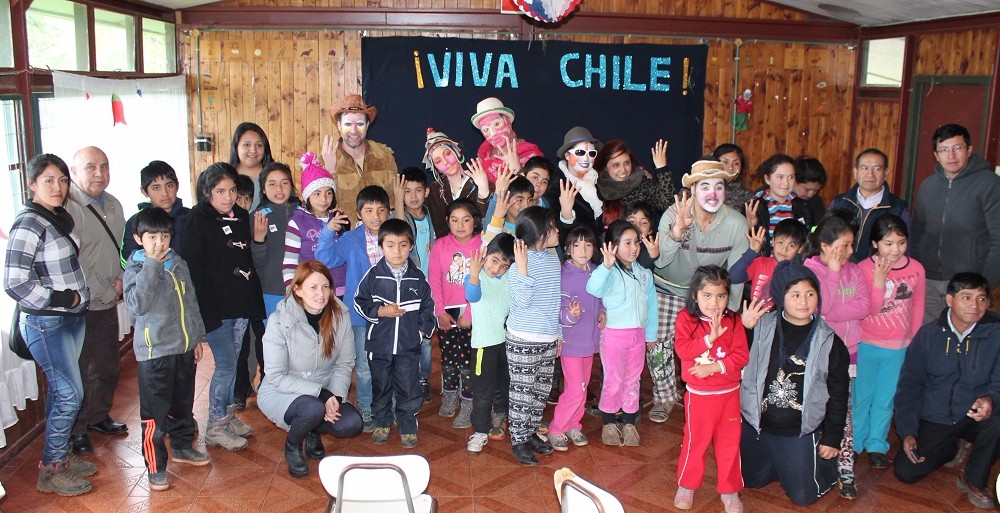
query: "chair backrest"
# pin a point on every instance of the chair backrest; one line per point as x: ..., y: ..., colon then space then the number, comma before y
x: 582, y: 496
x: 374, y: 478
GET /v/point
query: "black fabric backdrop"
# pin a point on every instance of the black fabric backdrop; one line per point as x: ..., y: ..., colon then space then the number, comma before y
x: 545, y: 84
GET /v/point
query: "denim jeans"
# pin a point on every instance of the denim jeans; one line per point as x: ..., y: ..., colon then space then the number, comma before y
x: 425, y: 358
x: 362, y: 374
x: 56, y: 342
x: 226, y: 342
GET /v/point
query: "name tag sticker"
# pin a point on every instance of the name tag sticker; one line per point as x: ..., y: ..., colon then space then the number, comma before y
x: 273, y: 228
x: 411, y: 307
x: 227, y: 230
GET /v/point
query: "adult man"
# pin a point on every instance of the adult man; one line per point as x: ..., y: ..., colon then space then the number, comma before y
x: 501, y: 147
x: 948, y: 387
x: 355, y: 160
x: 870, y: 199
x: 956, y: 220
x: 99, y: 223
x: 697, y: 231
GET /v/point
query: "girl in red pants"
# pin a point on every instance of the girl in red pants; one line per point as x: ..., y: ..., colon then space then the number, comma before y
x: 712, y: 347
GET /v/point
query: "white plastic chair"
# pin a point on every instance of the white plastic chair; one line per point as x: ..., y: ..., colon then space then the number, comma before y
x: 577, y: 495
x: 377, y: 484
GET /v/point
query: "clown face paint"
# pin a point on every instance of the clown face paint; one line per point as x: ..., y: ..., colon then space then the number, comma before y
x: 496, y: 129
x: 353, y: 128
x: 710, y: 193
x: 445, y: 160
x: 580, y: 158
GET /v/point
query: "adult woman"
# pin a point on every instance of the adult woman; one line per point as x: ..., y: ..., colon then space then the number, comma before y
x: 249, y: 152
x: 578, y: 152
x: 309, y: 355
x: 733, y: 160
x: 43, y: 274
x: 622, y: 182
x: 216, y: 245
x: 444, y: 158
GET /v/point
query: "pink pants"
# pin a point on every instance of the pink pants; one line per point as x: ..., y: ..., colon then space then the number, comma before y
x: 569, y: 411
x: 623, y: 354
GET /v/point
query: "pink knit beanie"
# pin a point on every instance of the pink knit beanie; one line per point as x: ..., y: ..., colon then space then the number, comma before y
x: 314, y: 175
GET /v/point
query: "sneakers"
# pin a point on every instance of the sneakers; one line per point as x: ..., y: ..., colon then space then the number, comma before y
x: 577, y: 437
x: 559, y: 442
x: 425, y: 390
x: 191, y: 456
x: 476, y: 442
x: 684, y: 498
x: 611, y: 435
x: 979, y: 497
x: 409, y: 440
x: 848, y: 489
x: 878, y: 460
x: 368, y: 421
x: 659, y: 413
x: 158, y: 481
x: 524, y: 455
x: 380, y: 435
x: 221, y: 433
x: 56, y: 478
x: 464, y: 418
x: 496, y: 431
x: 449, y: 404
x: 630, y: 435
x: 79, y: 466
x: 239, y: 427
x: 732, y: 503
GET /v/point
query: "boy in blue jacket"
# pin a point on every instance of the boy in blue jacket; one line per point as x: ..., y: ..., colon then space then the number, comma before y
x: 168, y: 336
x: 395, y: 300
x: 359, y: 249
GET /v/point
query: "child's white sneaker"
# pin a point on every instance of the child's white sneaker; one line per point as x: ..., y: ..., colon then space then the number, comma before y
x: 477, y: 441
x: 732, y: 503
x: 577, y: 437
x: 559, y: 442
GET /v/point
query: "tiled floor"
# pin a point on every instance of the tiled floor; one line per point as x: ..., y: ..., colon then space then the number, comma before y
x: 255, y: 479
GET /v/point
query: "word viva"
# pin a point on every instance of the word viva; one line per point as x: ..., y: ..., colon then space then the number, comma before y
x: 487, y: 69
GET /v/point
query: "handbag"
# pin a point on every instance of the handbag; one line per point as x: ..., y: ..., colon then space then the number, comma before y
x: 16, y: 341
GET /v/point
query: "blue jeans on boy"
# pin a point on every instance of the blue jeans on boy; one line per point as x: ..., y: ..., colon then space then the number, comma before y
x: 791, y: 460
x: 395, y: 381
x: 425, y: 359
x: 270, y: 304
x: 874, y: 392
x: 226, y: 342
x: 362, y: 374
x: 56, y: 342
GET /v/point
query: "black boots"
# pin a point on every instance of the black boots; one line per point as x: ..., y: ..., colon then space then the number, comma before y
x: 314, y: 446
x: 297, y: 465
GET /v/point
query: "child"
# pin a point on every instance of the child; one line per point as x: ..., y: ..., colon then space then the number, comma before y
x: 411, y: 191
x: 582, y: 318
x: 487, y: 288
x: 537, y: 170
x: 394, y: 331
x: 244, y: 191
x: 789, y: 239
x: 712, y: 347
x: 158, y: 182
x: 359, y: 250
x: 510, y: 203
x: 627, y: 293
x: 308, y: 221
x: 794, y: 392
x: 897, y: 311
x: 169, y: 333
x: 533, y: 330
x: 776, y: 201
x: 449, y: 265
x: 846, y: 290
x: 640, y: 214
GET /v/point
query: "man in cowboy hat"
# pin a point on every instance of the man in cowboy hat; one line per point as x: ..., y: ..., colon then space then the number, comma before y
x: 699, y: 230
x: 354, y: 160
x: 495, y: 121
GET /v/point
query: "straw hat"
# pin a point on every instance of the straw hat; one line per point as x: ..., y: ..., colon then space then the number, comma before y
x: 488, y: 106
x: 704, y: 169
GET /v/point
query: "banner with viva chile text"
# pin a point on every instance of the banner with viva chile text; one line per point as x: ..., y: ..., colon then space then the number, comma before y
x: 636, y: 92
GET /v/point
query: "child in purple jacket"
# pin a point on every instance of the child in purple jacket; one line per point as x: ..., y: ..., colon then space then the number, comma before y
x: 582, y: 318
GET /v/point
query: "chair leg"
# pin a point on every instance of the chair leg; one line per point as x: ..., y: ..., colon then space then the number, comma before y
x: 329, y: 506
x: 434, y: 505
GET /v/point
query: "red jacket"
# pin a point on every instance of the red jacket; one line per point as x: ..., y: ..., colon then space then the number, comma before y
x: 730, y: 349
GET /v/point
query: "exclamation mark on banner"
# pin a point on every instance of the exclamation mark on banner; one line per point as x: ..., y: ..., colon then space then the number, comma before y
x: 420, y: 76
x: 687, y: 75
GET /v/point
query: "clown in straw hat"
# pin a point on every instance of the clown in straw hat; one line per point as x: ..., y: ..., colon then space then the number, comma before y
x: 496, y: 122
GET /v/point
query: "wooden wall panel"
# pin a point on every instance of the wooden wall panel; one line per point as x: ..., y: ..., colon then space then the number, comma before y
x: 967, y: 52
x: 876, y: 126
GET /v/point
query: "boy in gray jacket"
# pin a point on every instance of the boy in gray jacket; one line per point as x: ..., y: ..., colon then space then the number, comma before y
x: 167, y: 342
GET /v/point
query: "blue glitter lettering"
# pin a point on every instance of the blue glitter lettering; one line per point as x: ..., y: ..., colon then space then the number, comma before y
x: 601, y: 70
x: 655, y: 73
x: 616, y: 72
x: 565, y: 75
x: 629, y: 86
x: 505, y: 69
x: 480, y: 75
x: 440, y: 75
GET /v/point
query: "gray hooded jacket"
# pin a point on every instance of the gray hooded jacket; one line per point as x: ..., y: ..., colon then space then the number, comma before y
x: 162, y: 304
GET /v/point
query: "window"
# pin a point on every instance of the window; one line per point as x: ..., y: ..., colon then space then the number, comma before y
x: 57, y: 35
x: 6, y: 39
x: 158, y: 47
x: 114, y: 37
x: 883, y: 62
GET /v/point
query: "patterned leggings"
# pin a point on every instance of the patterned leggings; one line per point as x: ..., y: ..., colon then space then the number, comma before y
x: 660, y: 359
x: 530, y: 365
x: 456, y: 356
x: 845, y: 461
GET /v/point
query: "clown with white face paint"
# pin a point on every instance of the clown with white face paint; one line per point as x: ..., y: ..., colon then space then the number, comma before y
x: 452, y: 180
x: 579, y: 201
x: 696, y: 231
x: 354, y: 160
x: 501, y: 148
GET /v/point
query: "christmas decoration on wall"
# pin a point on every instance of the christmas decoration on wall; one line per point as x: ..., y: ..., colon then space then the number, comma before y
x: 117, y: 109
x: 547, y: 11
x: 744, y: 107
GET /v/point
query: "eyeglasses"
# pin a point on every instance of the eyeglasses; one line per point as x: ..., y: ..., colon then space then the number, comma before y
x: 589, y: 153
x: 954, y: 149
